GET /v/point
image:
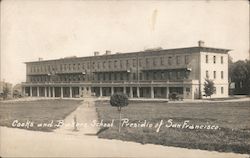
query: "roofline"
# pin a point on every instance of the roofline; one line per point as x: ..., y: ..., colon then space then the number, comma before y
x: 172, y: 49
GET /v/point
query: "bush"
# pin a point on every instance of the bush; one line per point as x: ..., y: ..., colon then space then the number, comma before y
x: 173, y: 96
x: 119, y: 100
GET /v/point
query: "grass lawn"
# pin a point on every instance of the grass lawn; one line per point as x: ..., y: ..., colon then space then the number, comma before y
x: 232, y: 118
x: 40, y: 111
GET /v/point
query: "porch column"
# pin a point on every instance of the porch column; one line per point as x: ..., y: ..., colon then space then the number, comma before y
x: 31, y: 91
x: 152, y: 92
x: 167, y: 92
x: 192, y: 88
x: 23, y: 91
x: 112, y: 90
x: 138, y: 91
x: 37, y: 89
x: 124, y: 90
x: 80, y: 92
x: 53, y: 92
x: 131, y: 92
x: 100, y: 91
x: 49, y: 92
x: 45, y: 91
x: 70, y: 92
x: 61, y: 92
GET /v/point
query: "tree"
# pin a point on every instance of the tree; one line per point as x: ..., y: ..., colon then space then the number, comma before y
x: 119, y: 100
x: 6, y: 90
x: 230, y: 68
x: 209, y: 87
x: 239, y: 73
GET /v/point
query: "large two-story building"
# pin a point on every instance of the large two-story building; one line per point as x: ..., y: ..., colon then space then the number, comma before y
x: 149, y: 74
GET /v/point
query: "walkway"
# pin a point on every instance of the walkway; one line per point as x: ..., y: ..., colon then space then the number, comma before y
x: 83, y: 115
x: 24, y: 143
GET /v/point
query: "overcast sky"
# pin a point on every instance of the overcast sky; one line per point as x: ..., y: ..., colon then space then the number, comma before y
x: 57, y: 28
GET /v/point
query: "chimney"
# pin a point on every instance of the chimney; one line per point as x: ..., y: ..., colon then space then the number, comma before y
x: 96, y: 53
x: 201, y: 43
x: 108, y: 52
x: 40, y: 59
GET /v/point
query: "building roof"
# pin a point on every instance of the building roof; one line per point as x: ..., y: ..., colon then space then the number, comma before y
x: 174, y: 50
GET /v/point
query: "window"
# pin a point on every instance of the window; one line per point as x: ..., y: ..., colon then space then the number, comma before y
x: 134, y: 76
x: 88, y: 65
x: 186, y: 59
x: 177, y: 60
x: 118, y: 76
x: 170, y: 74
x: 120, y: 63
x: 221, y: 59
x: 222, y: 90
x: 214, y: 74
x: 174, y: 75
x: 222, y: 74
x: 154, y: 75
x: 206, y: 58
x: 115, y: 65
x: 178, y: 75
x: 109, y: 64
x: 104, y: 76
x: 187, y: 89
x: 78, y: 66
x: 140, y: 62
x: 98, y: 65
x: 169, y: 60
x: 214, y: 90
x: 167, y: 75
x: 122, y: 78
x: 154, y: 61
x: 147, y: 75
x: 134, y: 63
x: 147, y: 62
x: 98, y: 77
x: 162, y: 60
x: 140, y: 76
x: 127, y: 63
x: 104, y: 64
x: 207, y: 75
x: 214, y: 59
x: 162, y: 75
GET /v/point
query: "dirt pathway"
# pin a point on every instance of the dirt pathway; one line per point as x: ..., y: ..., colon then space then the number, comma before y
x: 83, y: 116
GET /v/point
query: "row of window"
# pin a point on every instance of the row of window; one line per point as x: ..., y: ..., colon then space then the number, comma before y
x: 113, y: 64
x: 161, y: 75
x: 221, y: 90
x: 215, y: 74
x: 143, y: 76
x: 214, y: 59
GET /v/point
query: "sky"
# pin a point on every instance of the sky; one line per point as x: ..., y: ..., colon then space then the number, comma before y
x: 52, y: 29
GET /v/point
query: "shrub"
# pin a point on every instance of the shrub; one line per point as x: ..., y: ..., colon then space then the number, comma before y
x: 119, y: 100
